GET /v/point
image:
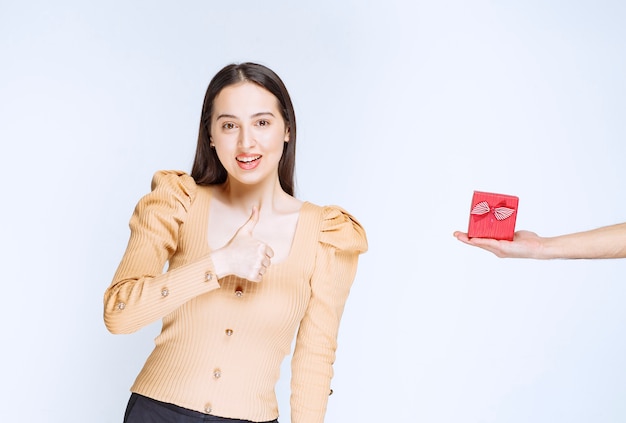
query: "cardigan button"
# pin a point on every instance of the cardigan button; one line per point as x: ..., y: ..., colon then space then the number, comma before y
x: 208, y: 408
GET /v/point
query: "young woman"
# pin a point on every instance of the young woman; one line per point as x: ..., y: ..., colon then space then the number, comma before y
x: 249, y: 266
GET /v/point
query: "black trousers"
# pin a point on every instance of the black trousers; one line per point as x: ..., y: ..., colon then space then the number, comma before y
x: 142, y: 409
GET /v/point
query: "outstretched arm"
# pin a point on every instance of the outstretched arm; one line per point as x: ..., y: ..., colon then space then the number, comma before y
x: 600, y: 243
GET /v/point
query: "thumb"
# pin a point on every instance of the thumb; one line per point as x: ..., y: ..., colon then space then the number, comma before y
x: 252, y: 221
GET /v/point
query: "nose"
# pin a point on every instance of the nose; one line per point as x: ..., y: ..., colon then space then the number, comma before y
x: 246, y: 138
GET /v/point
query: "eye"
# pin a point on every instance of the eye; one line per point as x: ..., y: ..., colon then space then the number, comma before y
x: 263, y: 122
x: 228, y: 125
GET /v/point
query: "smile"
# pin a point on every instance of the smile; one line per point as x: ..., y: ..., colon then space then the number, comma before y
x: 248, y: 162
x: 247, y: 159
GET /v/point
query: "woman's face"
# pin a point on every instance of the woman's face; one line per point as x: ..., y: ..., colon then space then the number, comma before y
x: 248, y: 132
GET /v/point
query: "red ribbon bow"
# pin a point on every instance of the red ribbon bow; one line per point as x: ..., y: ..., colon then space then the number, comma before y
x: 500, y: 213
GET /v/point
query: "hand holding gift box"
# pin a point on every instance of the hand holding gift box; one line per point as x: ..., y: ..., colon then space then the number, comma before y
x: 492, y: 216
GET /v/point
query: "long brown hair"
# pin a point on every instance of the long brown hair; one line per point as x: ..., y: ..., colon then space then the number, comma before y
x: 207, y: 169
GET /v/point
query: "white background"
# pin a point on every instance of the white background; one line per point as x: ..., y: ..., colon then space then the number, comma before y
x: 404, y: 108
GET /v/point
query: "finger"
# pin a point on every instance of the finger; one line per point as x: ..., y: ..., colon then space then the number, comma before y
x: 256, y: 277
x: 252, y: 221
x: 486, y: 242
x: 259, y: 275
x: 269, y: 252
x: 462, y: 236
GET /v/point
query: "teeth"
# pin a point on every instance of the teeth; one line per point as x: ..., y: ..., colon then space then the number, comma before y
x: 248, y: 159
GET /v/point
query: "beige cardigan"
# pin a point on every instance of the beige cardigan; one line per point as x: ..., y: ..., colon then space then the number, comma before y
x: 222, y: 341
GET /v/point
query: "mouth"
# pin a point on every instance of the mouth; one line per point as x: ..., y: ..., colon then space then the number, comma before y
x: 247, y: 159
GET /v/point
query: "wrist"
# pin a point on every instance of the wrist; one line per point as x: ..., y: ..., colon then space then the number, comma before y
x: 551, y: 248
x: 220, y: 263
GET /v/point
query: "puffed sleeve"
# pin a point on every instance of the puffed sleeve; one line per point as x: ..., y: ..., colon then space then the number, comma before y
x: 140, y: 292
x: 341, y: 241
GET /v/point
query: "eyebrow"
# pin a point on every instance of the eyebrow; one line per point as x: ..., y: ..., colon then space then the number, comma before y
x: 228, y: 116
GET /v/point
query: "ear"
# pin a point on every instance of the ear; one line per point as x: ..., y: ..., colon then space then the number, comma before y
x: 287, y: 133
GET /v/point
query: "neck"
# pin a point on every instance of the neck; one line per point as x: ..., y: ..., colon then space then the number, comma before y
x: 244, y: 197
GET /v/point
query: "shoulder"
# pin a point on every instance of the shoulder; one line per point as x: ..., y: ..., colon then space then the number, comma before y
x: 174, y: 184
x: 340, y: 229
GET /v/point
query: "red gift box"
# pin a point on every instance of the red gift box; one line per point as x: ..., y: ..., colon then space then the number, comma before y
x: 492, y: 216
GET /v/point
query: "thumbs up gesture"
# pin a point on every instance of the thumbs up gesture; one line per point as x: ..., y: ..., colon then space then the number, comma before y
x: 244, y: 255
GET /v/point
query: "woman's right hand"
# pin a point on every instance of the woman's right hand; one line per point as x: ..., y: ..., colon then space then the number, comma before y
x: 244, y: 255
